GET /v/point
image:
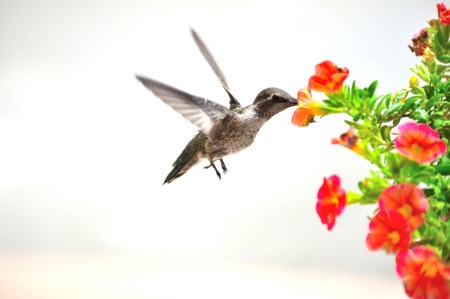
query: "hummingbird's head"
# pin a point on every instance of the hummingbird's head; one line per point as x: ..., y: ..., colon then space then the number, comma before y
x: 270, y: 101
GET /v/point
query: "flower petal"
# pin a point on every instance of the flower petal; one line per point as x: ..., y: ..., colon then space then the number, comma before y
x: 302, y: 117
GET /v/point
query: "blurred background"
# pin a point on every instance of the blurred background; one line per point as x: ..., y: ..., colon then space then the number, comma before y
x: 84, y: 149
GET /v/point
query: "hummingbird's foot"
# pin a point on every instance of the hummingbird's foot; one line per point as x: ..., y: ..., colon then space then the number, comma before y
x: 215, y: 168
x: 224, y: 168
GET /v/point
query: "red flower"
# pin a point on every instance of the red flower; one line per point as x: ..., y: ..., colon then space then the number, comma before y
x: 328, y: 78
x: 307, y: 109
x: 331, y: 200
x: 444, y: 13
x: 419, y: 142
x: 441, y: 7
x: 425, y: 275
x: 407, y: 199
x: 389, y: 231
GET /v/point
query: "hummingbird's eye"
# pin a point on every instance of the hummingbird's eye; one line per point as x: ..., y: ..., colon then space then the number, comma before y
x: 277, y: 99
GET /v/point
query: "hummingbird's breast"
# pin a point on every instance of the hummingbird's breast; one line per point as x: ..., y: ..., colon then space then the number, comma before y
x: 233, y: 134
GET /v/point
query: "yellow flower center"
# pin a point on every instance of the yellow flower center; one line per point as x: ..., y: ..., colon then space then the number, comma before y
x: 416, y: 148
x: 333, y: 199
x: 394, y: 237
x: 405, y: 210
x: 429, y: 270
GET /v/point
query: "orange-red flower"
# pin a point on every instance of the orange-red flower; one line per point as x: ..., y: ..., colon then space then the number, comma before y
x: 444, y: 13
x: 307, y: 109
x: 407, y: 199
x: 328, y: 78
x: 419, y: 142
x: 389, y: 230
x: 331, y: 200
x: 350, y: 140
x: 425, y: 275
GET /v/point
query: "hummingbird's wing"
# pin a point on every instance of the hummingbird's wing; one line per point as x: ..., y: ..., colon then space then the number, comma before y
x: 209, y: 58
x: 215, y: 67
x: 201, y: 112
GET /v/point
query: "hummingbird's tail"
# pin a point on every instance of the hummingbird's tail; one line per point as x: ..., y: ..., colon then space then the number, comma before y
x: 176, y: 172
x: 189, y: 157
x: 180, y: 167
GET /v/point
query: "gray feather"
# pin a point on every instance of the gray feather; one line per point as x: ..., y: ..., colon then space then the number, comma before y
x: 215, y: 67
x: 209, y: 58
x: 201, y: 112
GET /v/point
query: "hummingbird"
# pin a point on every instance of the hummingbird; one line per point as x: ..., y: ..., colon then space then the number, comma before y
x: 222, y: 131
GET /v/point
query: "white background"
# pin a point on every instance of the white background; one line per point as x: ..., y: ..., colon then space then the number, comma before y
x: 84, y: 148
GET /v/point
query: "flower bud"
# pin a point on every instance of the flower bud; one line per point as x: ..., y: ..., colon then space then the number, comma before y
x: 413, y: 81
x: 429, y: 56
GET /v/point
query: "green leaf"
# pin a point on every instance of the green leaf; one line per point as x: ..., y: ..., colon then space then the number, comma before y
x: 444, y: 170
x: 438, y: 122
x: 432, y: 100
x: 358, y: 116
x: 428, y: 192
x: 386, y: 133
x: 371, y: 89
x: 422, y: 72
x: 381, y: 104
x: 419, y: 90
x: 410, y: 102
x: 354, y: 93
x: 444, y: 58
x: 420, y: 115
x: 395, y: 107
x: 439, y: 205
x: 435, y: 79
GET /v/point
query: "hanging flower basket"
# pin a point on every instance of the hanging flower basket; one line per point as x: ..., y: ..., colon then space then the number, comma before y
x: 406, y: 136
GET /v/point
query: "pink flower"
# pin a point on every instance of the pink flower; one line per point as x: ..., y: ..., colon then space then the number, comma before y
x: 425, y: 275
x: 331, y: 200
x: 419, y: 142
x: 389, y: 231
x: 407, y: 199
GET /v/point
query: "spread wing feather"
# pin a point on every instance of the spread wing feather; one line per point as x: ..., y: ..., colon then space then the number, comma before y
x: 201, y: 112
x: 209, y: 58
x: 215, y: 67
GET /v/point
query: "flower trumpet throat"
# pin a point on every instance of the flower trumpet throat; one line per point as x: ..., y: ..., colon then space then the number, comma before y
x: 307, y: 109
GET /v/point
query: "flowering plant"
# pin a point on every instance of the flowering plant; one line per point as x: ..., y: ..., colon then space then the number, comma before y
x: 406, y: 136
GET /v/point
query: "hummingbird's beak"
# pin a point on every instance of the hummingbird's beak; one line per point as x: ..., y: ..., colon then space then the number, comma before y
x: 293, y: 101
